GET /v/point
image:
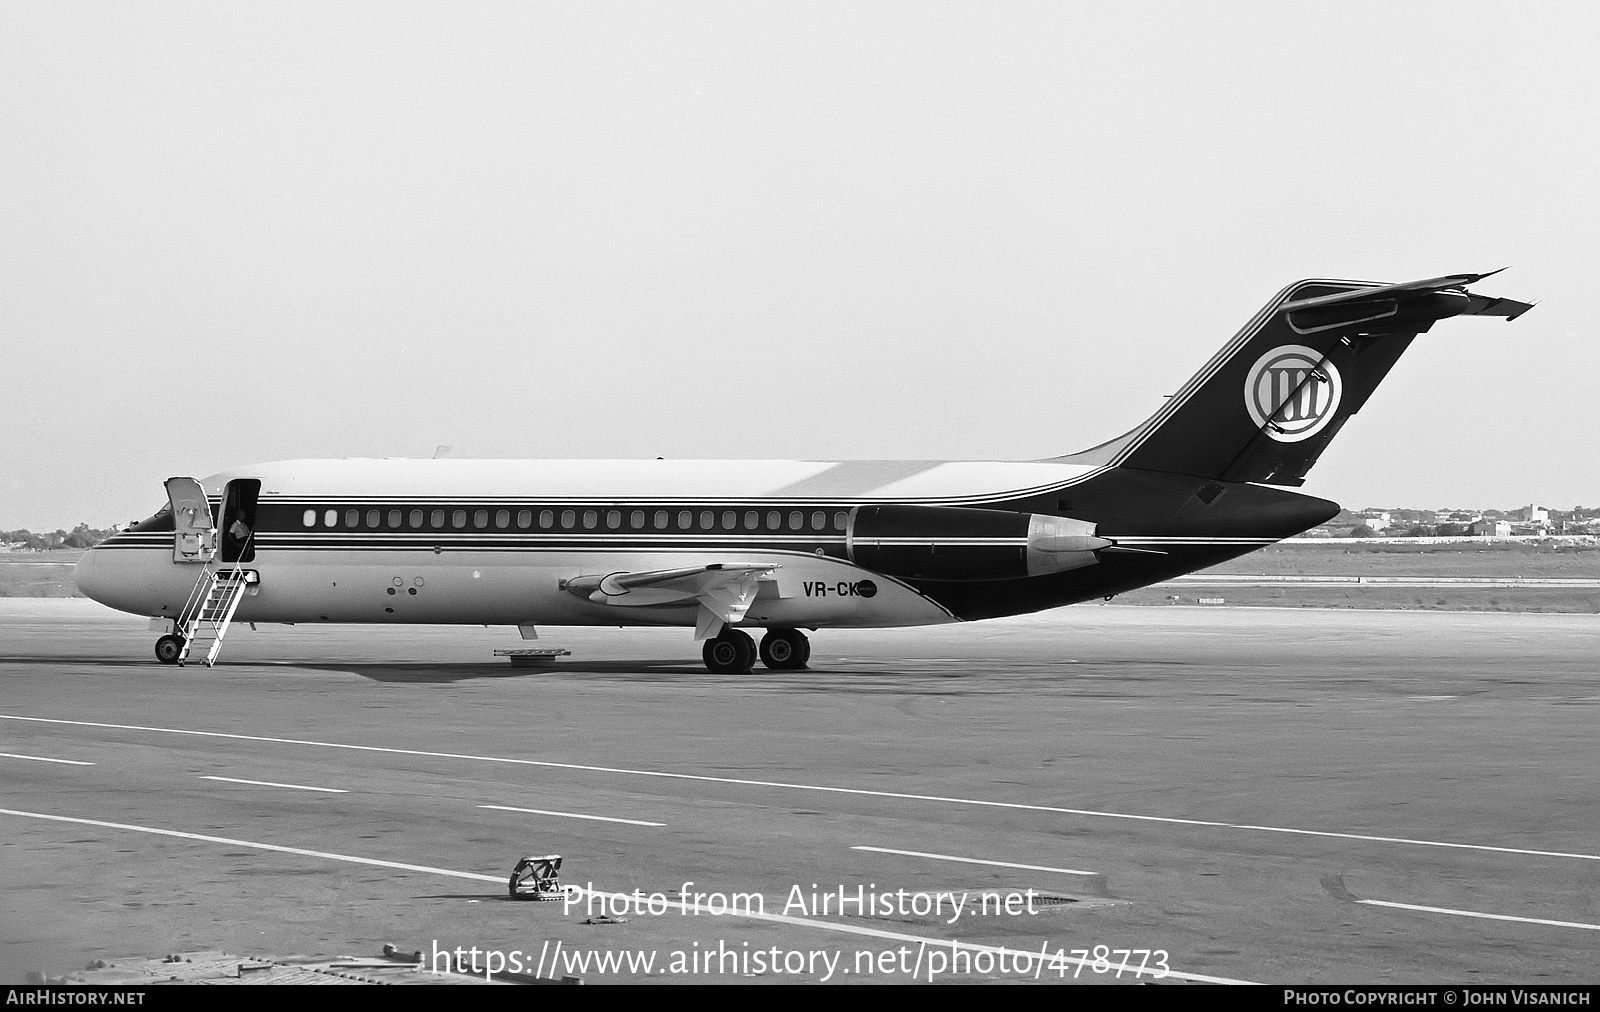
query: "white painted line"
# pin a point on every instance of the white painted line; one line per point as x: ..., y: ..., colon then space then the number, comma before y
x: 1487, y: 917
x: 823, y: 788
x: 572, y: 815
x: 428, y: 869
x: 269, y: 783
x: 42, y: 759
x: 973, y: 860
x: 807, y: 922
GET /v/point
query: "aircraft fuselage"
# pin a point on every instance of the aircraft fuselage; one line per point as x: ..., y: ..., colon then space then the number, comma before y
x: 500, y: 542
x: 785, y: 545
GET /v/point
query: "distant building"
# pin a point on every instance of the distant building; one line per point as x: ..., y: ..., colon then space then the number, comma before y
x: 1375, y: 520
x: 1533, y: 514
x: 1492, y: 529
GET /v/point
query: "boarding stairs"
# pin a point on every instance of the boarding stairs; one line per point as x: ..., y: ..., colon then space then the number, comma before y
x: 209, y: 610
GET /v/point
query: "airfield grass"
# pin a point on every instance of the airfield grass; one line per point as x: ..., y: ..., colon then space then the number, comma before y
x: 1493, y: 559
x: 1452, y: 560
x: 38, y: 574
x: 49, y: 574
x: 1553, y: 600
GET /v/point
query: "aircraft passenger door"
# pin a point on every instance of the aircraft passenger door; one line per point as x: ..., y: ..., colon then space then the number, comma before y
x: 238, y: 520
x: 196, y: 536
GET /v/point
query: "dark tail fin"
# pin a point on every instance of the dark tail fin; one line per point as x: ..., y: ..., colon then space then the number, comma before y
x: 1273, y: 398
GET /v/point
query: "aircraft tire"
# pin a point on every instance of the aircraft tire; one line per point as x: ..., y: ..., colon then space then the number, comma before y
x: 169, y: 648
x: 732, y: 653
x: 785, y: 649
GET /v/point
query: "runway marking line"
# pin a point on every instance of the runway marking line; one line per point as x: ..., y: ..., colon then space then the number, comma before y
x: 805, y: 922
x: 226, y: 841
x: 1480, y: 914
x: 973, y: 860
x: 573, y: 815
x: 269, y: 783
x: 43, y: 759
x: 822, y: 788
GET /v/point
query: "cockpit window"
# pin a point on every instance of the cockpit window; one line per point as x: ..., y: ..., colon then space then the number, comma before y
x: 160, y: 521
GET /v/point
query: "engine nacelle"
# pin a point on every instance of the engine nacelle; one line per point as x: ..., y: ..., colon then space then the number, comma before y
x: 959, y: 543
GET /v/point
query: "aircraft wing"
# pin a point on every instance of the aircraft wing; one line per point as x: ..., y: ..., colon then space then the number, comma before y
x: 724, y: 592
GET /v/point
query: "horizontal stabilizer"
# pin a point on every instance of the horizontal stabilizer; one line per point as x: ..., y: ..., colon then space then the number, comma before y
x: 1391, y: 296
x: 1402, y: 290
x: 1508, y: 308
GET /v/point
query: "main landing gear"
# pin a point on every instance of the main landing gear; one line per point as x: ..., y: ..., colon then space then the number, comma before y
x: 734, y: 652
x: 785, y: 649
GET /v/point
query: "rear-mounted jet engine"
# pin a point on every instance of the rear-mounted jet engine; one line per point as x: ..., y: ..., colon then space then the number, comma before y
x: 951, y: 543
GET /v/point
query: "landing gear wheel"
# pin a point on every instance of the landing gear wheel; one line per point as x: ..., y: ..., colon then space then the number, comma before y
x: 169, y: 648
x: 785, y: 649
x: 732, y: 653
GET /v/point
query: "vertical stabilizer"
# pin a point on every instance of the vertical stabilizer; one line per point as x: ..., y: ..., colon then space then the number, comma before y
x: 1267, y: 405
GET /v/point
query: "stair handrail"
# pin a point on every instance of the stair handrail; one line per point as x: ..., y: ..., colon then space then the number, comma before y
x: 196, y: 600
x: 193, y: 607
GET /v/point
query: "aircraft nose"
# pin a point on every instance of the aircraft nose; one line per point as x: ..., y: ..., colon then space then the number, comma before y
x: 83, y: 576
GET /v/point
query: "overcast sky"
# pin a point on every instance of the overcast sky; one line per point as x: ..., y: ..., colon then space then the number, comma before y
x: 233, y: 233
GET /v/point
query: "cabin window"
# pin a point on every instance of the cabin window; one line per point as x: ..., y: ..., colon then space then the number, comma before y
x: 352, y: 518
x: 415, y: 519
x: 436, y: 518
x: 374, y: 518
x: 394, y: 518
x: 819, y: 520
x: 310, y: 518
x: 752, y: 520
x: 797, y: 520
x: 480, y: 518
x: 707, y: 520
x: 458, y: 518
x: 525, y: 519
x: 330, y: 518
x: 841, y: 520
x: 613, y: 519
x: 774, y: 520
x: 661, y: 520
x: 547, y: 519
x: 568, y: 518
x: 730, y: 520
x: 685, y: 520
x: 590, y: 518
x: 502, y: 518
x: 636, y: 519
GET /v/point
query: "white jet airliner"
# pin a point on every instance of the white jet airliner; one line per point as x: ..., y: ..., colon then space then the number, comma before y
x: 782, y: 545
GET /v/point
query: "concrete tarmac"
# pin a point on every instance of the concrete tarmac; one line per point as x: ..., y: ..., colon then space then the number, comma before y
x: 1326, y: 797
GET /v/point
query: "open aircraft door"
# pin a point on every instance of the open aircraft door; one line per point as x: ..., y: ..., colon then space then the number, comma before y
x: 196, y: 534
x: 237, y: 523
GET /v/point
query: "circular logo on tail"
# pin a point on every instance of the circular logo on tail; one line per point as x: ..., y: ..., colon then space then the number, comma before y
x: 1292, y: 393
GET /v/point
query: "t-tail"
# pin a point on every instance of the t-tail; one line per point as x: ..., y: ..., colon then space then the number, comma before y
x: 1267, y: 405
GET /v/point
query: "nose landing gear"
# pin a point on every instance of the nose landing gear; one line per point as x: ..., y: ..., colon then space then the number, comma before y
x: 169, y: 648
